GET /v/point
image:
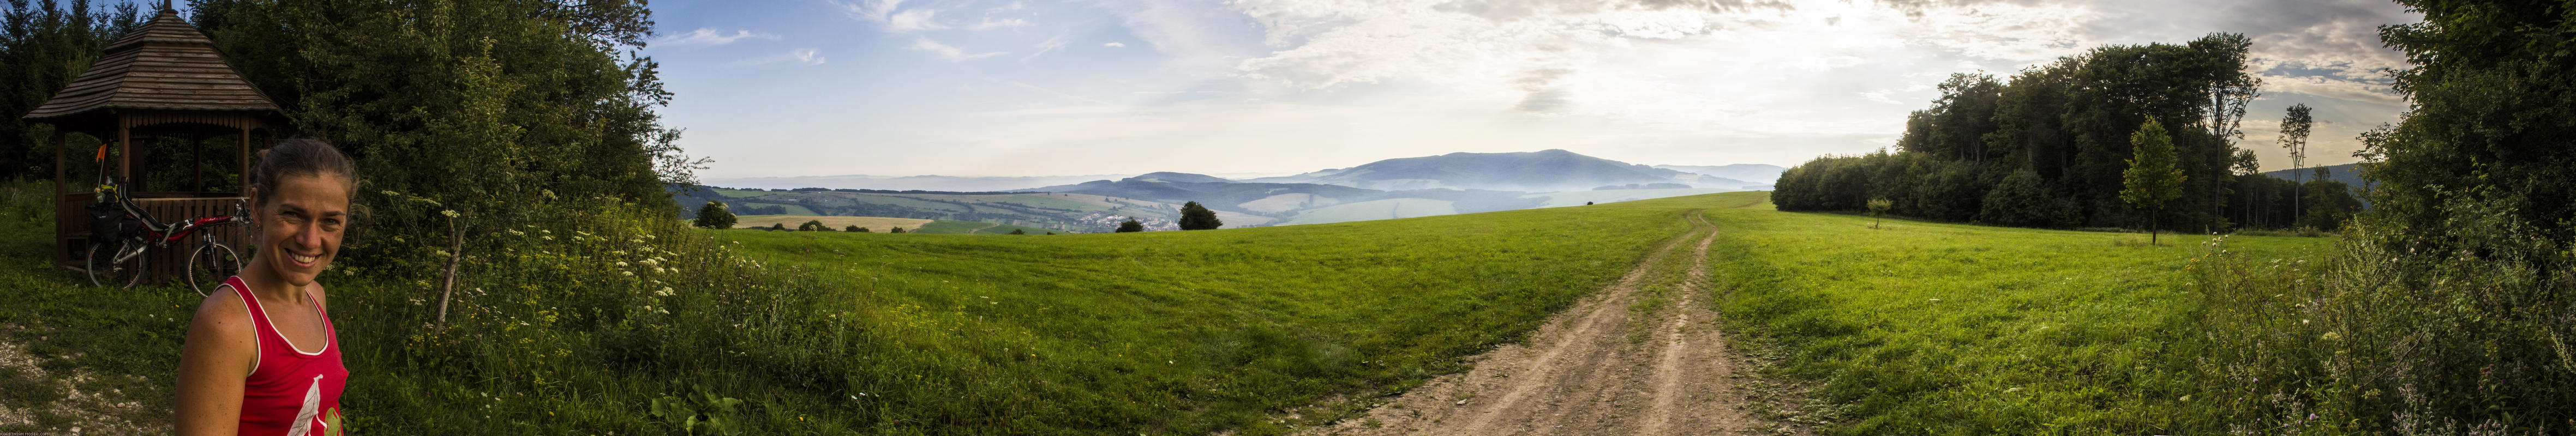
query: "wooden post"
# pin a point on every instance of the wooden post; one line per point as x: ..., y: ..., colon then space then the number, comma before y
x: 124, y: 146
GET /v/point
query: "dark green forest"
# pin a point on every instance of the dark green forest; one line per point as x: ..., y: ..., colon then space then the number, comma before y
x: 2046, y: 148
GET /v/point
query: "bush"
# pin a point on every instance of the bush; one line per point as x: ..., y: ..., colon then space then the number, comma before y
x: 778, y: 226
x: 854, y: 228
x: 714, y: 216
x: 895, y: 230
x: 2473, y: 336
x: 813, y: 226
x: 1019, y: 232
x: 1131, y: 226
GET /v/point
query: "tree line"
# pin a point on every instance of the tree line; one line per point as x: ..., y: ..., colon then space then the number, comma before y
x: 2048, y: 147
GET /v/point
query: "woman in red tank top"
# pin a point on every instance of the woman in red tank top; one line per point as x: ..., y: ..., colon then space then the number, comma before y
x: 261, y: 356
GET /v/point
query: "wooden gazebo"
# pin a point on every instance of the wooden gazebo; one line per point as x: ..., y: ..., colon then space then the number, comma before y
x: 164, y: 80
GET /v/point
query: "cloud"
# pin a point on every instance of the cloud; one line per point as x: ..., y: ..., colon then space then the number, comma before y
x: 1051, y: 44
x: 706, y: 36
x: 1115, y: 44
x: 802, y: 56
x: 945, y: 51
x: 874, y: 11
x: 990, y: 23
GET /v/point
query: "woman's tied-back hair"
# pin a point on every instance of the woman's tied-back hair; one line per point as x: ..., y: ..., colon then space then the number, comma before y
x: 299, y: 157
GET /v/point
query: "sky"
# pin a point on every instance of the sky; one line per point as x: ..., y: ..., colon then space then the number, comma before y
x: 1242, y: 87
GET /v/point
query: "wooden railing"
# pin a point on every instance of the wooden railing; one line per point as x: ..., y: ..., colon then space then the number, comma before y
x: 163, y: 262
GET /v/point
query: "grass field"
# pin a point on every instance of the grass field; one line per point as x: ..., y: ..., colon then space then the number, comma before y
x: 1923, y: 328
x: 573, y: 331
x: 582, y: 329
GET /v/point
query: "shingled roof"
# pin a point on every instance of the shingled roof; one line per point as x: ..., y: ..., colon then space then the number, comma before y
x: 168, y: 65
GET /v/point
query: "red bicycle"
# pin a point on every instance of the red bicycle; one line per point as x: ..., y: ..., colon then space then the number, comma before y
x: 121, y: 231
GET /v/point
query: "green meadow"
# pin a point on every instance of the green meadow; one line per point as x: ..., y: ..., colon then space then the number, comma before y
x: 1928, y: 328
x: 628, y: 325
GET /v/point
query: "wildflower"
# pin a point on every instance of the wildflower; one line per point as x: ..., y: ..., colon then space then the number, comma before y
x: 666, y: 291
x: 621, y: 264
x: 627, y: 273
x: 549, y: 237
x: 2331, y: 336
x: 451, y: 213
x: 516, y: 232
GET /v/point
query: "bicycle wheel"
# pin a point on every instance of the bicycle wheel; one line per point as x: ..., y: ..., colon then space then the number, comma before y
x: 105, y: 271
x: 209, y: 265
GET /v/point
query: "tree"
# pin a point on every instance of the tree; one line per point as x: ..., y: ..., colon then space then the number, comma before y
x: 2294, y: 136
x: 2151, y: 179
x: 1196, y: 217
x: 1131, y: 226
x: 1878, y: 210
x: 895, y: 230
x: 854, y: 228
x: 1019, y: 231
x: 778, y: 227
x: 813, y: 226
x: 715, y: 216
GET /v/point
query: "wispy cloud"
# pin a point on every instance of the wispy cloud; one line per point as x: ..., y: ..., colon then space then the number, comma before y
x: 1005, y: 23
x: 1051, y: 44
x: 707, y: 36
x: 1115, y: 44
x: 945, y: 51
x: 802, y: 56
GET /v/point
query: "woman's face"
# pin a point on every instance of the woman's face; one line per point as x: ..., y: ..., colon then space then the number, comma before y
x: 300, y: 225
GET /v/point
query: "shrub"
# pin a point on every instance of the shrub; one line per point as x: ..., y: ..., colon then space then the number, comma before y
x: 854, y: 228
x: 813, y: 226
x: 714, y: 216
x: 895, y: 230
x: 1131, y: 226
x: 2471, y: 336
x: 1019, y: 232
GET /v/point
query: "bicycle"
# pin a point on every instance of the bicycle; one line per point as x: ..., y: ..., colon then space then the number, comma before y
x: 120, y: 232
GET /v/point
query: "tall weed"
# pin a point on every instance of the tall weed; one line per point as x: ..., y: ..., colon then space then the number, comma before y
x: 2395, y: 334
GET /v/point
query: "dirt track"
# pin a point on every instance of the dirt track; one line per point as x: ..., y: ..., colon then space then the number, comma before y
x: 1584, y: 373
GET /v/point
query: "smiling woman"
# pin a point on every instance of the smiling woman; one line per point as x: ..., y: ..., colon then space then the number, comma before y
x: 250, y: 370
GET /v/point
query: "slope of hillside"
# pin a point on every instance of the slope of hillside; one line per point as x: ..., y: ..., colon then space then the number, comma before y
x: 2349, y: 174
x: 1373, y: 210
x: 1540, y: 171
x: 1748, y: 174
x: 1579, y: 198
x: 1059, y: 212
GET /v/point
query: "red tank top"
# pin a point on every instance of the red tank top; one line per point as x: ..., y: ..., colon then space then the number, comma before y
x: 290, y: 392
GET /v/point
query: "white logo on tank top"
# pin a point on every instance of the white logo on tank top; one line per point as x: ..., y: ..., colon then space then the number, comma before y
x: 312, y: 405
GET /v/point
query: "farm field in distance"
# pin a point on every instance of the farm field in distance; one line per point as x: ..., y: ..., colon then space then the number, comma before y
x: 883, y: 224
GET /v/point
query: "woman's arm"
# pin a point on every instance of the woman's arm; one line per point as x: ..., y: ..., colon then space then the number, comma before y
x: 213, y: 365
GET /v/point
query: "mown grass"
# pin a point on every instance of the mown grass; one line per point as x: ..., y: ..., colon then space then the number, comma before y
x: 1922, y: 328
x: 582, y: 324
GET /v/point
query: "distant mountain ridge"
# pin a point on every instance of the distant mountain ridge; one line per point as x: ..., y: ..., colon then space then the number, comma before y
x: 1391, y: 188
x: 1551, y: 170
x: 2349, y: 174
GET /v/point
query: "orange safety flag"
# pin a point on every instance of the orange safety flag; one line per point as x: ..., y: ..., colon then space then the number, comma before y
x: 102, y: 153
